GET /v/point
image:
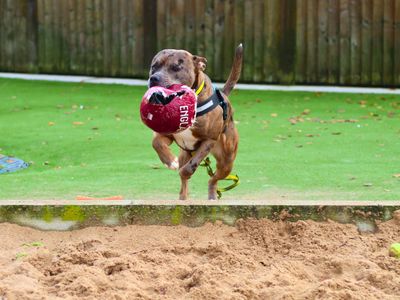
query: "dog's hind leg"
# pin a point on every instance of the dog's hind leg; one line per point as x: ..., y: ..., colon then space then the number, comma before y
x: 161, y: 144
x: 225, y: 153
x: 184, y: 157
x: 224, y: 167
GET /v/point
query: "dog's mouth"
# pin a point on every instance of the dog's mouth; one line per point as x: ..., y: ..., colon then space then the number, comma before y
x: 159, y: 97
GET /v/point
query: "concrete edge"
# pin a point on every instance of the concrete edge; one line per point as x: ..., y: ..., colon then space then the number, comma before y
x: 240, y: 86
x: 73, y: 216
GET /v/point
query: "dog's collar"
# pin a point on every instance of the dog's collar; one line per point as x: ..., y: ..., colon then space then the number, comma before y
x: 211, y: 103
x: 200, y: 88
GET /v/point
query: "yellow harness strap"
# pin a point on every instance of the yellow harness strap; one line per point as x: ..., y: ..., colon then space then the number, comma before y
x: 207, y: 163
x: 198, y: 91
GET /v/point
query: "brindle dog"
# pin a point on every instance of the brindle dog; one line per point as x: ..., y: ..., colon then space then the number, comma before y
x: 210, y: 132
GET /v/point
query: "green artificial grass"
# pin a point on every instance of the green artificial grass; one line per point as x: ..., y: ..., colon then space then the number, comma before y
x: 86, y: 139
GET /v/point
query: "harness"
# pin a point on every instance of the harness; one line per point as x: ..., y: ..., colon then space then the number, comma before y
x: 212, y: 102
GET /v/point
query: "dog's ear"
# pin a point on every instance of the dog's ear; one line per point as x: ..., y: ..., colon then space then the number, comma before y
x: 200, y: 62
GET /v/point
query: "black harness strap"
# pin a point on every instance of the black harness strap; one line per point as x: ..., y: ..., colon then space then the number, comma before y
x: 211, y: 103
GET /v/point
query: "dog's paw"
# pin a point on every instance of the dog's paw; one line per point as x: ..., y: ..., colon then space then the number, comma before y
x: 174, y: 165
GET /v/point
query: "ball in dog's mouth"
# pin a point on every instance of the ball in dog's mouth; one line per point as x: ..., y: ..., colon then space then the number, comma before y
x: 168, y: 110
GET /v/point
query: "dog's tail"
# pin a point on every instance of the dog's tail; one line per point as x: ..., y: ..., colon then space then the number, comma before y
x: 235, y: 71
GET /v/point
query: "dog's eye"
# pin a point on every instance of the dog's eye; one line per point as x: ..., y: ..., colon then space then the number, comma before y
x: 154, y: 68
x: 176, y: 68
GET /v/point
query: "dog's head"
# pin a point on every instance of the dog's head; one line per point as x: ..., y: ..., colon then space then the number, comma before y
x: 172, y: 66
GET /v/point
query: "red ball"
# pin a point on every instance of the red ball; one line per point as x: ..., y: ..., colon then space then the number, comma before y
x: 169, y: 110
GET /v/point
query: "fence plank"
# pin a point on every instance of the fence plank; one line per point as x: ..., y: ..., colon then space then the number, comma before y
x: 301, y: 45
x: 64, y: 30
x: 248, y: 41
x: 345, y: 51
x: 258, y: 56
x: 239, y: 22
x: 219, y: 27
x: 31, y: 36
x: 150, y: 32
x: 209, y: 37
x: 229, y: 39
x: 10, y: 35
x: 98, y: 38
x: 200, y: 27
x: 287, y: 41
x: 333, y: 32
x: 377, y: 45
x: 72, y: 39
x: 189, y: 19
x: 397, y: 45
x: 123, y: 31
x: 139, y: 68
x: 107, y: 20
x: 366, y: 42
x: 388, y: 42
x: 161, y: 24
x: 271, y: 52
x: 3, y: 56
x: 115, y: 38
x: 312, y: 41
x: 178, y: 22
x: 323, y: 41
x: 355, y: 42
x: 89, y: 41
x: 40, y: 35
x: 56, y: 32
x: 19, y: 28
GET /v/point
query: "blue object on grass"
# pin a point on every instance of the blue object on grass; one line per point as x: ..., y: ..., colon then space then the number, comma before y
x: 11, y: 164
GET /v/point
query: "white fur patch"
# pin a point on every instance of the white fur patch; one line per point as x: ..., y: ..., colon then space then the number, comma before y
x: 174, y: 165
x: 185, y: 139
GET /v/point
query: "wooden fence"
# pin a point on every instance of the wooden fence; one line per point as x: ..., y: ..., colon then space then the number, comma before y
x: 349, y: 42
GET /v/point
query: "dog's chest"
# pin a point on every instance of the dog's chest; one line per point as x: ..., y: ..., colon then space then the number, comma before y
x: 185, y: 139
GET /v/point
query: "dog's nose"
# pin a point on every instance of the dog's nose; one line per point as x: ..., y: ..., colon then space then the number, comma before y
x: 154, y: 80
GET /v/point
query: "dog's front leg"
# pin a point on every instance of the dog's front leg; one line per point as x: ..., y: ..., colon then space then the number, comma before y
x: 184, y: 157
x: 190, y: 167
x: 161, y: 144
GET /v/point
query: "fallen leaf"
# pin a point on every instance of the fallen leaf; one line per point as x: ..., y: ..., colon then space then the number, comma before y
x: 367, y: 184
x: 362, y: 102
x: 396, y: 175
x: 33, y: 244
x: 20, y: 255
x: 274, y: 115
x: 78, y: 123
x: 306, y: 111
x: 51, y: 123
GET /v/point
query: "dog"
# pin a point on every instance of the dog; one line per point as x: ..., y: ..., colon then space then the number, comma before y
x: 213, y: 132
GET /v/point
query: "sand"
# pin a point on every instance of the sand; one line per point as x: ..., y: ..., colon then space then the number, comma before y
x: 257, y: 259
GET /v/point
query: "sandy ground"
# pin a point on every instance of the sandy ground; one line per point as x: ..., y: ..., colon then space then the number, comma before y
x: 257, y: 259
